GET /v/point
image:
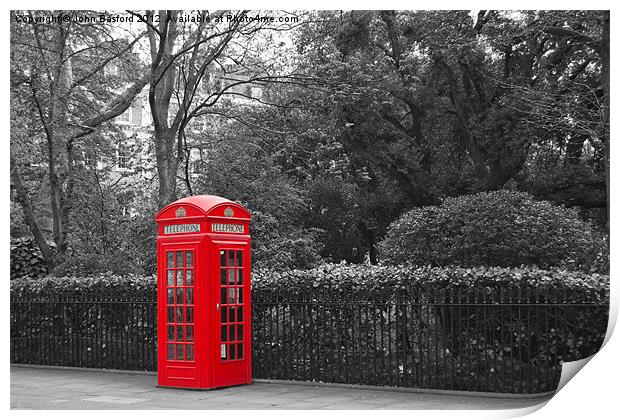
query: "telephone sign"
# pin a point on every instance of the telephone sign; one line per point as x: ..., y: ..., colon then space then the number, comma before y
x: 183, y: 228
x: 226, y: 227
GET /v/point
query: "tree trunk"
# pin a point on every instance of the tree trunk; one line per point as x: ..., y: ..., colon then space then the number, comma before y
x: 369, y: 237
x: 163, y: 76
x: 574, y: 147
x: 501, y: 171
x: 167, y: 165
x: 26, y: 205
x: 61, y: 170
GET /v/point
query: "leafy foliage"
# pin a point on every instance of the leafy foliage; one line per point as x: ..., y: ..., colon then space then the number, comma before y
x: 107, y: 239
x: 104, y: 285
x: 438, y: 98
x: 272, y: 249
x: 246, y: 173
x: 388, y: 281
x: 62, y: 94
x: 26, y: 259
x: 501, y: 228
x: 367, y: 115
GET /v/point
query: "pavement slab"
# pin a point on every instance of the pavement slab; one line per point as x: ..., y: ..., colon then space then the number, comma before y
x: 66, y: 389
x: 112, y: 399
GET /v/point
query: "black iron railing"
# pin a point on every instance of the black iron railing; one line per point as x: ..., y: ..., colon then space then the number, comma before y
x: 495, y: 341
x: 478, y: 341
x: 86, y: 330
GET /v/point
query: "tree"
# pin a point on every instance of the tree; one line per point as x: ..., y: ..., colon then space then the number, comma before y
x: 366, y: 115
x: 237, y: 166
x: 445, y: 103
x: 184, y: 58
x: 563, y: 99
x: 57, y: 70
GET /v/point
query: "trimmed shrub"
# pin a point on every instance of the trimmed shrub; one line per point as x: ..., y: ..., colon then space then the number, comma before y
x: 27, y: 259
x: 501, y: 228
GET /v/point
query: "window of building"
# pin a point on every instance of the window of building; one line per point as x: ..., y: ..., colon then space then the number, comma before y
x: 136, y: 112
x: 125, y: 117
x: 88, y: 158
x: 111, y: 69
x: 123, y: 156
x: 257, y: 93
x: 197, y: 167
x: 133, y: 114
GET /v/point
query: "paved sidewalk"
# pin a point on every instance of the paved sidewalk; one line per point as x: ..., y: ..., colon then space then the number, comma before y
x: 40, y: 388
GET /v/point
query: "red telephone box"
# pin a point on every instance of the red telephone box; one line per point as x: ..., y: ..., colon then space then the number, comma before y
x: 203, y: 293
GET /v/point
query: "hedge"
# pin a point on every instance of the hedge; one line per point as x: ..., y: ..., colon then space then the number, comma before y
x: 389, y: 281
x: 103, y: 285
x: 485, y: 329
x: 374, y: 281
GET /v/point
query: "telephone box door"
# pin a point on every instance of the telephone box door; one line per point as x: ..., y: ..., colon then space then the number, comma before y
x: 233, y: 364
x: 177, y: 344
